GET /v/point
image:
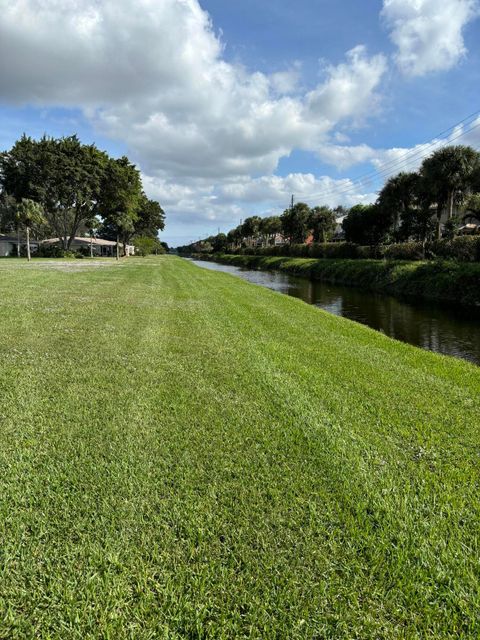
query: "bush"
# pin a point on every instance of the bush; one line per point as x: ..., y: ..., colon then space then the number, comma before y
x: 404, y: 251
x: 461, y: 248
x: 50, y: 251
x: 146, y: 245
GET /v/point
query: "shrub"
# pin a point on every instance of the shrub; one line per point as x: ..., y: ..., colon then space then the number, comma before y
x: 461, y: 248
x: 50, y: 251
x: 146, y: 245
x: 404, y: 251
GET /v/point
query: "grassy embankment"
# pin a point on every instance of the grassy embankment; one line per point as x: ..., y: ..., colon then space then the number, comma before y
x: 186, y: 455
x: 453, y: 282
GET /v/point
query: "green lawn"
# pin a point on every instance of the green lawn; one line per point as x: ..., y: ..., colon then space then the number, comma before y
x: 186, y: 455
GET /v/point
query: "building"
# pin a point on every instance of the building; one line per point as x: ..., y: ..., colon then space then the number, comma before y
x: 97, y: 246
x: 470, y: 224
x: 9, y: 245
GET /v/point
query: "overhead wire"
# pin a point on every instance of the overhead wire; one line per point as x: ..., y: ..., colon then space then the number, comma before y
x: 388, y: 168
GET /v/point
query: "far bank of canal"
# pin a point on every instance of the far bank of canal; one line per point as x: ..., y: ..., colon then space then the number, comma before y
x: 449, y: 330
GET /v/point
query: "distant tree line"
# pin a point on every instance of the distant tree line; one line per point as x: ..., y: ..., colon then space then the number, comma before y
x: 419, y: 206
x: 63, y: 188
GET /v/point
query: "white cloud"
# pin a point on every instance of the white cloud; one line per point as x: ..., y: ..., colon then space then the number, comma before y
x: 428, y: 34
x: 152, y: 74
x: 349, y: 89
x: 345, y: 156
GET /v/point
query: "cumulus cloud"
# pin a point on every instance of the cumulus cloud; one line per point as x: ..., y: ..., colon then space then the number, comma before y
x: 152, y: 74
x: 349, y: 89
x: 428, y: 34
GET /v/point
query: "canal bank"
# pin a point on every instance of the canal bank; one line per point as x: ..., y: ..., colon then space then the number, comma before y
x: 444, y: 329
x: 439, y: 281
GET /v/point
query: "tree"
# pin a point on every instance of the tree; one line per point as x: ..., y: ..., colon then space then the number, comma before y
x: 398, y: 197
x: 29, y: 213
x: 366, y: 225
x: 63, y: 175
x: 448, y: 175
x: 235, y: 236
x: 92, y: 225
x: 150, y: 218
x: 472, y: 204
x: 8, y: 207
x: 251, y: 227
x: 270, y: 226
x: 295, y: 222
x: 322, y: 223
x: 146, y: 245
x: 120, y: 199
x: 219, y: 243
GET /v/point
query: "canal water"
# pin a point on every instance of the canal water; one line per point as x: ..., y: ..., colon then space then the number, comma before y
x: 449, y: 330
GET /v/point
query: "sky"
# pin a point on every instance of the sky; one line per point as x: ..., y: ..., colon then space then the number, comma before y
x: 229, y: 107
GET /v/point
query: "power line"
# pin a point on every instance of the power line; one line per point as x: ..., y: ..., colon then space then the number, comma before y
x: 388, y: 168
x: 410, y: 154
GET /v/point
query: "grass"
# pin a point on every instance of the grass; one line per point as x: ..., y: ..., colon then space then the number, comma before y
x: 186, y: 455
x: 452, y: 282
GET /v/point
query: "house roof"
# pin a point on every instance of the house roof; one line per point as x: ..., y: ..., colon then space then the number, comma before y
x: 14, y: 239
x: 82, y: 240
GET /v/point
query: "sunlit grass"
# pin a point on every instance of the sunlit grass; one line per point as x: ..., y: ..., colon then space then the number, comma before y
x: 186, y: 455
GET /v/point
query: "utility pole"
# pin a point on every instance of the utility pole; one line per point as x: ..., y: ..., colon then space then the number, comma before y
x: 291, y: 206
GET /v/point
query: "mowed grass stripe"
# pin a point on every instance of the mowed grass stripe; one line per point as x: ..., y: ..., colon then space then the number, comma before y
x: 186, y: 455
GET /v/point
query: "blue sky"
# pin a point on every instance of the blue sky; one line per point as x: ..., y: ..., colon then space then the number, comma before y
x: 228, y: 107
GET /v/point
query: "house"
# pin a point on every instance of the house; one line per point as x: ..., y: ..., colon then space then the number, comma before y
x: 97, y: 246
x: 470, y: 224
x: 10, y: 245
x: 339, y: 233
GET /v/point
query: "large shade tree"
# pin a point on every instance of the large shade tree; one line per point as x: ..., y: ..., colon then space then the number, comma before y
x: 63, y: 175
x: 8, y: 220
x: 322, y: 223
x: 296, y: 222
x: 366, y: 225
x: 120, y: 199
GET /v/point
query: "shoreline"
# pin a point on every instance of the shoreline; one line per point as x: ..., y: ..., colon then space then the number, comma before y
x: 437, y: 281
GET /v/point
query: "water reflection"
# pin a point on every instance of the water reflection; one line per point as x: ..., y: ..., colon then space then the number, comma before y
x: 447, y: 330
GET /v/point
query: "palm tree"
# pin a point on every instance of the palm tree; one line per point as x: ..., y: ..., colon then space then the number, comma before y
x: 92, y: 225
x: 398, y: 196
x: 29, y: 213
x: 448, y: 175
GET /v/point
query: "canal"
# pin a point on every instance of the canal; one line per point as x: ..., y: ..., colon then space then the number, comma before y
x: 449, y: 330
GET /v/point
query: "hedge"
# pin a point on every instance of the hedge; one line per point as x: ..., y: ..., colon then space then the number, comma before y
x: 461, y: 249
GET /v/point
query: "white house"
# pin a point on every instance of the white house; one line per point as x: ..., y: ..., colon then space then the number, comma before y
x: 9, y: 245
x: 97, y: 246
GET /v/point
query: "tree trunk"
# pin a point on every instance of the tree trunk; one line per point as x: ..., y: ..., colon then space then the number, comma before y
x: 439, y: 223
x: 28, y: 244
x: 117, y: 257
x: 450, y: 205
x: 18, y: 242
x: 91, y: 246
